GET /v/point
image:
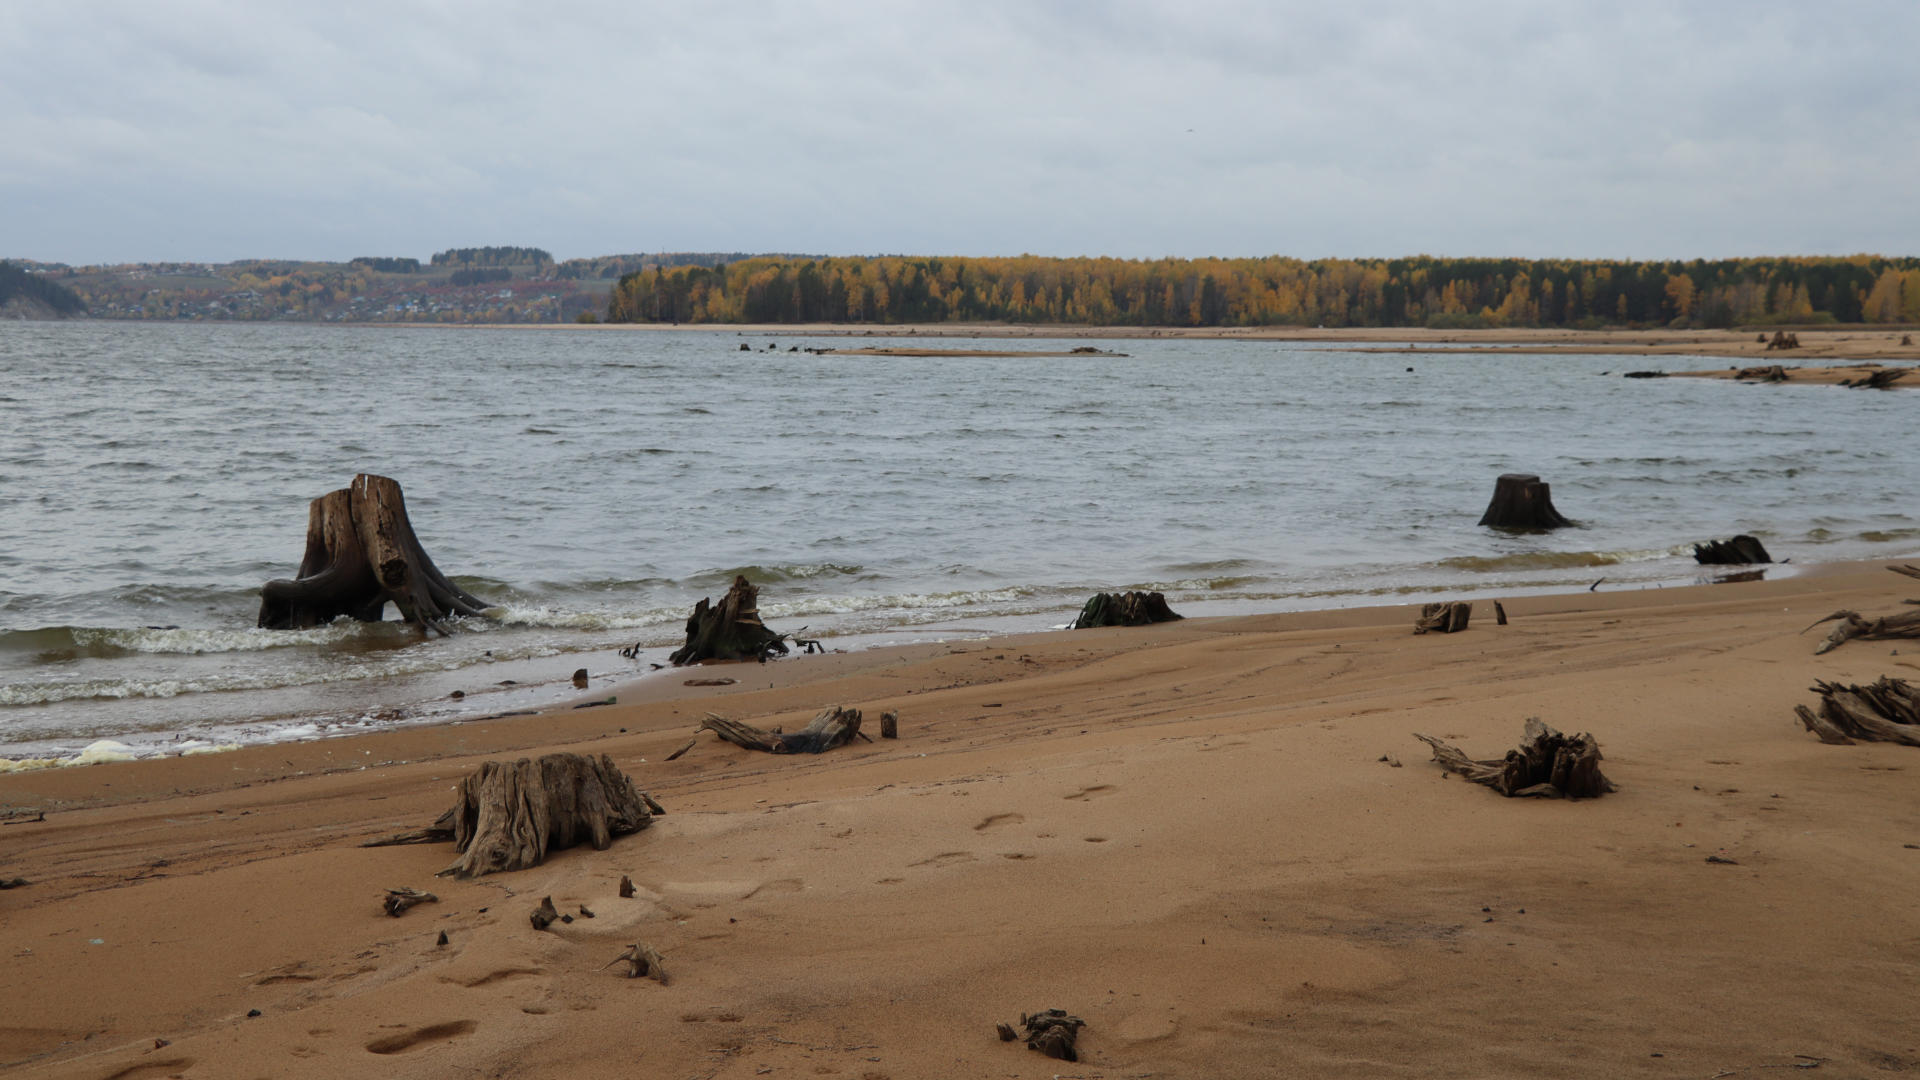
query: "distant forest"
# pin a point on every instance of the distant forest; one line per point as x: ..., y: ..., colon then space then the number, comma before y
x: 492, y: 256
x: 387, y: 265
x: 1441, y: 293
x: 15, y: 282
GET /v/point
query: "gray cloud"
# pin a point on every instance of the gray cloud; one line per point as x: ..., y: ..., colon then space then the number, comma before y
x: 196, y: 129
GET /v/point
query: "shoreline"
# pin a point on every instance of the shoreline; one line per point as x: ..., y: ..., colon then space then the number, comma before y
x: 1240, y: 790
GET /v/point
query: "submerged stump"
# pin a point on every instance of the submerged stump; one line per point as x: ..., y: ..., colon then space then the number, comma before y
x: 1125, y: 609
x: 362, y: 553
x: 729, y: 630
x: 1522, y: 501
x: 1736, y: 551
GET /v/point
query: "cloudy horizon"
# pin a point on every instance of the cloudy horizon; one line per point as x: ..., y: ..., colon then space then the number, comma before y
x: 212, y: 131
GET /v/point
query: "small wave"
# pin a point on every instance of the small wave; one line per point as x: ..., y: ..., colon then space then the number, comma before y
x: 761, y: 575
x: 562, y: 619
x: 840, y: 605
x: 99, y: 641
x: 1889, y: 536
x: 1553, y: 560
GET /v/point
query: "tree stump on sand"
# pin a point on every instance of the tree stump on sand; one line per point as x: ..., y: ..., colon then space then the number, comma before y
x: 1879, y: 379
x: 1783, y: 340
x: 1886, y: 711
x: 1125, y: 609
x: 510, y: 815
x: 1052, y: 1033
x: 833, y: 726
x: 1764, y: 373
x: 1522, y: 501
x: 1547, y: 764
x: 1739, y: 550
x: 361, y: 553
x: 731, y: 630
x: 1447, y: 618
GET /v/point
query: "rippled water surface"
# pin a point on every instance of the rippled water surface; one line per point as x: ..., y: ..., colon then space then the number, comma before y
x: 596, y: 483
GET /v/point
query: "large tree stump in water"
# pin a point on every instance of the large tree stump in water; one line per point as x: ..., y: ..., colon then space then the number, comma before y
x: 510, y: 815
x: 1546, y: 763
x: 1125, y: 609
x: 362, y: 553
x: 731, y: 630
x: 1522, y: 501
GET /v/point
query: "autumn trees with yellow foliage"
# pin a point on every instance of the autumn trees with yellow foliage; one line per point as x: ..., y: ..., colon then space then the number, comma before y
x: 1419, y: 291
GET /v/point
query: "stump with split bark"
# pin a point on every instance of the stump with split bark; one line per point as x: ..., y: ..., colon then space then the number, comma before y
x: 362, y: 553
x: 1446, y: 618
x: 729, y: 630
x: 1884, y: 711
x: 509, y: 815
x: 1737, y: 551
x: 1125, y: 609
x: 1522, y: 501
x: 1546, y: 764
x: 834, y: 726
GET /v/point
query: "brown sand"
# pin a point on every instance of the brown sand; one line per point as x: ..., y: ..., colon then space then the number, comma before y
x: 1183, y: 834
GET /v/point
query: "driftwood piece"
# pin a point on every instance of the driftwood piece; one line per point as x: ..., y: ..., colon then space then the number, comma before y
x: 399, y: 900
x: 729, y: 630
x: 1546, y: 764
x: 1124, y: 609
x: 437, y: 833
x: 1447, y: 618
x: 1522, y: 501
x: 510, y: 815
x: 889, y: 725
x: 1881, y: 379
x: 1763, y: 373
x: 834, y: 726
x: 361, y: 553
x: 1739, y: 550
x: 1499, y: 614
x: 1052, y: 1033
x: 14, y: 883
x: 1903, y: 624
x: 641, y: 960
x: 544, y: 915
x: 626, y: 887
x: 1783, y: 339
x: 1884, y: 711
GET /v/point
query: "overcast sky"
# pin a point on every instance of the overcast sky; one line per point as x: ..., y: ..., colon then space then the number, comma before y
x: 174, y: 129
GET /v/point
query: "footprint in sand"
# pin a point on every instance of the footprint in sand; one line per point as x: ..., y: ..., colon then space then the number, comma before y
x: 419, y: 1037
x: 152, y: 1068
x: 992, y: 820
x: 945, y: 858
x: 1093, y: 792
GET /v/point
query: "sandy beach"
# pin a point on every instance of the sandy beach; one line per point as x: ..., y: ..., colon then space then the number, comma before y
x: 1185, y: 834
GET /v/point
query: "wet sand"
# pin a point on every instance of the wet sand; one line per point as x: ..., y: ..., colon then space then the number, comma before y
x: 1185, y: 834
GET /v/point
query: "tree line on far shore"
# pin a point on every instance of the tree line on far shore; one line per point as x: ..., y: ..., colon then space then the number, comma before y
x: 1421, y: 291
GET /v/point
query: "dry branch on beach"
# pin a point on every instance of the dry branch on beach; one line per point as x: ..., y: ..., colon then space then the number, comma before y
x: 833, y: 726
x: 1884, y: 711
x: 361, y: 554
x: 1546, y: 764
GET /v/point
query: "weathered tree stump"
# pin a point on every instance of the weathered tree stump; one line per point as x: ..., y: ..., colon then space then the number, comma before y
x: 1764, y: 373
x: 1124, y: 609
x: 510, y: 815
x: 1447, y: 618
x: 1052, y: 1033
x: 1741, y: 549
x: 1547, y: 764
x: 362, y: 553
x: 1885, y: 711
x: 1522, y: 501
x: 833, y: 726
x: 889, y: 725
x: 731, y: 630
x: 1880, y: 379
x: 1783, y: 339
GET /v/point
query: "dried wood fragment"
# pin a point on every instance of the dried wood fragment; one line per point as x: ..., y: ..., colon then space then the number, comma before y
x: 1499, y: 614
x: 544, y: 915
x: 642, y: 961
x: 437, y: 833
x: 509, y: 815
x: 1884, y: 711
x: 675, y: 756
x: 1125, y: 609
x: 1762, y: 373
x: 1447, y: 618
x: 889, y: 725
x: 1904, y: 624
x: 626, y: 887
x: 14, y: 883
x: 1879, y: 379
x: 1053, y: 1033
x: 1547, y: 764
x: 1006, y: 1032
x: 399, y: 900
x: 834, y: 726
